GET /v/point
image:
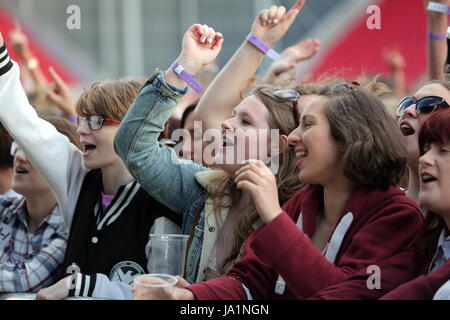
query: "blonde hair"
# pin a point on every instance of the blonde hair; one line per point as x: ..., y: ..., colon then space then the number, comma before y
x: 110, y: 99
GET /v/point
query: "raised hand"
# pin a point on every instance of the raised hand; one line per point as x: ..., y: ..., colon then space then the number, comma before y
x: 270, y: 25
x: 201, y: 45
x: 291, y: 56
x: 256, y: 178
x: 59, y: 93
x: 19, y: 42
x: 394, y: 59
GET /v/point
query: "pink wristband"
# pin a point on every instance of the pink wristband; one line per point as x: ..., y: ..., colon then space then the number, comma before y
x: 254, y: 40
x: 187, y: 77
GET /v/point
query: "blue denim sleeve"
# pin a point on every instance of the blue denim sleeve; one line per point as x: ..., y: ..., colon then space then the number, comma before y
x: 155, y: 167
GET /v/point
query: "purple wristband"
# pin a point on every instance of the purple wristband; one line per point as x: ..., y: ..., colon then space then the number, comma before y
x: 434, y: 36
x: 254, y: 40
x: 72, y: 119
x: 187, y: 77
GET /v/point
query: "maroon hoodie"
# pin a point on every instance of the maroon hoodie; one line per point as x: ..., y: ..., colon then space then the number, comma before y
x: 381, y: 223
x: 404, y: 276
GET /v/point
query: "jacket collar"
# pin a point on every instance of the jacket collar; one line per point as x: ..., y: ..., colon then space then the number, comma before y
x: 206, y: 177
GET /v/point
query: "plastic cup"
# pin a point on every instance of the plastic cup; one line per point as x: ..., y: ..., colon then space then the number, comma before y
x: 154, y: 286
x: 167, y: 254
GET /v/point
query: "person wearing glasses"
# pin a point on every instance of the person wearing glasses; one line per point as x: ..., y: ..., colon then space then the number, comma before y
x: 33, y: 237
x: 412, y: 113
x: 106, y: 212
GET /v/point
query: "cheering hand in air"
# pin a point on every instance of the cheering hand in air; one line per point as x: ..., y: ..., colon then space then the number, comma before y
x: 271, y: 24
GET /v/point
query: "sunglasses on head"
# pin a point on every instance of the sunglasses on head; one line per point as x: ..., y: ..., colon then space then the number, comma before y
x: 292, y: 96
x: 425, y: 105
x: 95, y: 122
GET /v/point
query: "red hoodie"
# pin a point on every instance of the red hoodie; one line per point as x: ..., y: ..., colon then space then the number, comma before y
x: 404, y: 276
x: 384, y: 222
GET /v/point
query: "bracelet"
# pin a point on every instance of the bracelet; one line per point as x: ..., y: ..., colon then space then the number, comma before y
x: 254, y: 40
x: 72, y: 119
x: 434, y: 36
x: 438, y: 7
x: 187, y: 77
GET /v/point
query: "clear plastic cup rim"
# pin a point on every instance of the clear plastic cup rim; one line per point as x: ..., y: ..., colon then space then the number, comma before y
x: 173, y: 280
x: 169, y: 237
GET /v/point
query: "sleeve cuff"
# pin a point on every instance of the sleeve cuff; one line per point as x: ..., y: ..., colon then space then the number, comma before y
x: 84, y: 286
x: 5, y: 62
x: 157, y: 79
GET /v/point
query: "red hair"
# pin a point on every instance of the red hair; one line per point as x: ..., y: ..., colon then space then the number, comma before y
x: 436, y: 129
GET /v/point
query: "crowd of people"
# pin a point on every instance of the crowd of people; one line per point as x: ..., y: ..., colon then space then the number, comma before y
x: 287, y: 189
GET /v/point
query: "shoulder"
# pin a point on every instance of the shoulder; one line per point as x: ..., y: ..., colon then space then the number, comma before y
x: 10, y: 206
x: 375, y: 204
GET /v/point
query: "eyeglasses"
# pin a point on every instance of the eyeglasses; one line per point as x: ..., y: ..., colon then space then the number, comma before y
x: 293, y: 96
x: 425, y: 105
x: 95, y: 122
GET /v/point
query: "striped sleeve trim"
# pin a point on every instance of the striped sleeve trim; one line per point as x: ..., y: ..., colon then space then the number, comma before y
x: 84, y: 286
x: 5, y: 62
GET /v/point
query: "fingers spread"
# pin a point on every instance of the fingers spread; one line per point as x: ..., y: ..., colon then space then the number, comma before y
x: 58, y: 80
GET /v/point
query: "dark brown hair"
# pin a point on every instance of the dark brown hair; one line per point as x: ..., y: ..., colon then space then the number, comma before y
x: 375, y: 156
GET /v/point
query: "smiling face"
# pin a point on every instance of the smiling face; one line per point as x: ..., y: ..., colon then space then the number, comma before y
x: 26, y: 179
x: 411, y: 121
x: 434, y: 171
x: 247, y: 128
x: 318, y: 154
x: 98, y: 146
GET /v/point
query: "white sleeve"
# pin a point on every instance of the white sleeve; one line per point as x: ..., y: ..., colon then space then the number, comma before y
x: 50, y: 152
x: 99, y: 286
x: 443, y: 293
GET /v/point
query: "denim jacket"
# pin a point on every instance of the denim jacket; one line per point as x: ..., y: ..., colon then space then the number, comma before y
x: 157, y: 168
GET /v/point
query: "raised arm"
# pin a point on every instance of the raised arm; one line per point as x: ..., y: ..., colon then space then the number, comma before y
x: 61, y: 96
x: 20, y: 45
x: 157, y: 168
x: 51, y: 153
x: 290, y: 58
x: 437, y: 42
x: 224, y: 93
